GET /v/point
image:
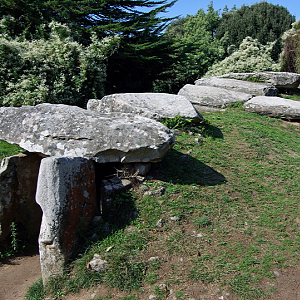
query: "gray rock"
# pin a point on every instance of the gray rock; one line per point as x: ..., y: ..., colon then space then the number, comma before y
x: 158, y: 192
x: 18, y: 178
x: 175, y: 218
x: 160, y: 223
x: 281, y: 80
x: 153, y: 258
x: 212, y: 96
x: 252, y: 88
x: 274, y: 107
x: 207, y: 109
x: 97, y: 264
x: 62, y: 130
x: 109, y: 189
x: 66, y: 194
x: 142, y: 168
x: 151, y: 105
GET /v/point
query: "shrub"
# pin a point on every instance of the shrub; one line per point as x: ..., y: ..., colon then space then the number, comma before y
x: 290, y: 56
x: 56, y: 70
x: 251, y: 56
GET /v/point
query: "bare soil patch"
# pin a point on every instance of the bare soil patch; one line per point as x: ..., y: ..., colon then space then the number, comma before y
x: 17, y: 275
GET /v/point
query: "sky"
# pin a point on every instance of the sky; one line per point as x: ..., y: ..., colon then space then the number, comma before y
x: 184, y: 7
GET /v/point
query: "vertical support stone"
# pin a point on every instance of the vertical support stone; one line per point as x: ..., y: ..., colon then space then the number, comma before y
x: 18, y: 178
x: 67, y: 195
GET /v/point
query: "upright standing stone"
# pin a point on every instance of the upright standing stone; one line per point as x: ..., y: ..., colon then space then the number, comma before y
x: 18, y: 177
x: 67, y: 195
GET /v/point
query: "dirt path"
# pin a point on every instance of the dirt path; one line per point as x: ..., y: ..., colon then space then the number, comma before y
x: 17, y: 275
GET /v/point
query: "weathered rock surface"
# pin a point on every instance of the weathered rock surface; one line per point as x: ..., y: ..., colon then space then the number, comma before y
x: 281, y: 80
x: 274, y: 107
x: 97, y: 264
x: 62, y: 130
x: 109, y: 189
x: 252, y: 88
x: 212, y: 96
x: 151, y: 105
x: 66, y: 193
x: 18, y: 177
x: 207, y: 109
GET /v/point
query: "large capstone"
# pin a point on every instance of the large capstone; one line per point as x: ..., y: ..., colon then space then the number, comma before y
x: 281, y: 80
x: 275, y: 107
x: 212, y: 96
x: 66, y: 193
x: 151, y: 105
x: 62, y: 130
x: 253, y: 88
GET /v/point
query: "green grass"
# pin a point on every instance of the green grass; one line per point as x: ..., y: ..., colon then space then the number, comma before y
x: 237, y: 195
x: 7, y: 149
x: 294, y: 95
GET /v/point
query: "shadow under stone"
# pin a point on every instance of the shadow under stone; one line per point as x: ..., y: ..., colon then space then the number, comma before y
x: 184, y: 169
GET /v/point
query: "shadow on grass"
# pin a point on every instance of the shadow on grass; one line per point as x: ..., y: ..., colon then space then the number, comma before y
x: 213, y: 131
x: 184, y: 169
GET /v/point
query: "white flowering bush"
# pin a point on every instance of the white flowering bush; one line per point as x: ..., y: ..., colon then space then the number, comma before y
x: 290, y: 56
x: 56, y: 70
x: 250, y: 57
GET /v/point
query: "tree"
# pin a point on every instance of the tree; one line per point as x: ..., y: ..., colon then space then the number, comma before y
x: 290, y: 56
x: 141, y: 52
x: 263, y: 21
x: 194, y: 48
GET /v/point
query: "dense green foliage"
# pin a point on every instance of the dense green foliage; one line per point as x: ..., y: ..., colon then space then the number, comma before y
x: 141, y: 54
x: 263, y: 21
x: 112, y: 16
x: 250, y: 57
x: 147, y: 57
x: 56, y: 70
x: 194, y: 48
x: 290, y: 57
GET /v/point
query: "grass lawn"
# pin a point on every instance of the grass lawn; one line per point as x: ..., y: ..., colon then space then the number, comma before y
x: 229, y: 218
x: 8, y: 149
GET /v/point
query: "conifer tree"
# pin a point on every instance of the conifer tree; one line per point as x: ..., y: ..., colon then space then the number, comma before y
x: 141, y: 55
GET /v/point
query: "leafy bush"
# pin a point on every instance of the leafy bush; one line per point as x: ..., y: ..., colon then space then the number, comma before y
x: 56, y: 70
x: 251, y: 56
x: 290, y: 56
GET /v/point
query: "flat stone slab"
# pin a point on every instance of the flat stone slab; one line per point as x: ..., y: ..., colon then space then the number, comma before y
x: 274, y: 107
x: 281, y: 80
x: 253, y: 88
x: 62, y: 130
x: 151, y: 105
x: 212, y: 96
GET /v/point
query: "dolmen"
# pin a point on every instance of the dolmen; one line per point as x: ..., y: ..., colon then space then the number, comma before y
x: 219, y: 92
x: 66, y: 143
x: 62, y: 130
